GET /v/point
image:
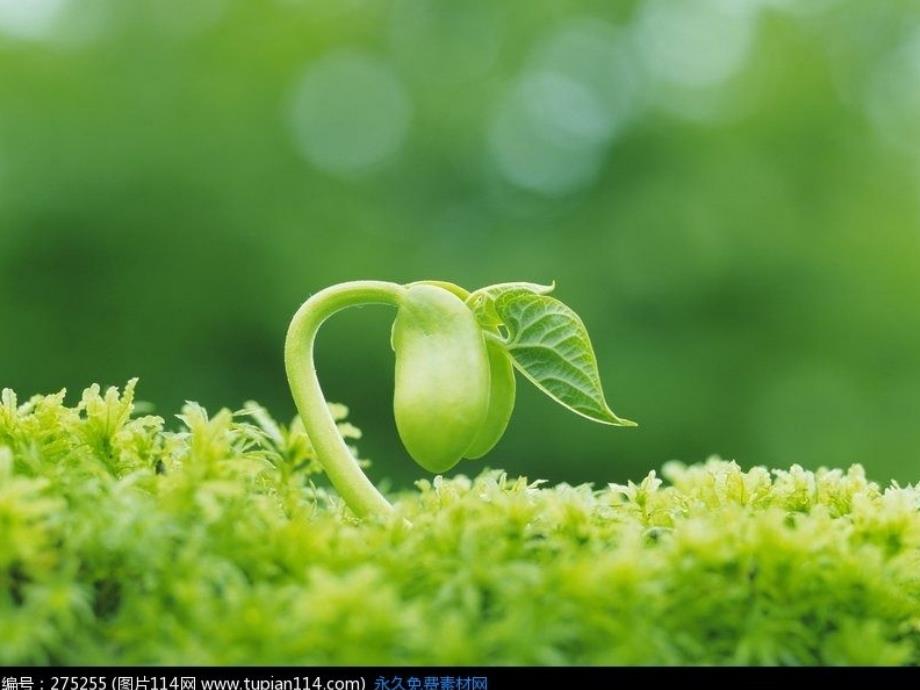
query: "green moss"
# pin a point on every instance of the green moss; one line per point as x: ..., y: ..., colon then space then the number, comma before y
x: 123, y: 542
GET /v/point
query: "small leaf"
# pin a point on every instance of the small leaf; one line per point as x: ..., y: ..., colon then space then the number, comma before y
x: 550, y: 346
x: 482, y: 301
x: 499, y: 288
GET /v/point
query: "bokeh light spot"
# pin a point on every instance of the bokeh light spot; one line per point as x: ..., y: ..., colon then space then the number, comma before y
x: 556, y: 122
x: 693, y: 44
x: 893, y: 99
x: 597, y: 55
x: 349, y: 113
x: 29, y: 19
x: 545, y: 134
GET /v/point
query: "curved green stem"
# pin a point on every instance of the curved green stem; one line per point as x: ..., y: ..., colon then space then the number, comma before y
x: 337, y: 460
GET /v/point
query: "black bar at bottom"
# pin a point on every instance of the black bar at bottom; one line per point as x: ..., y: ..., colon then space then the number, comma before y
x: 404, y: 678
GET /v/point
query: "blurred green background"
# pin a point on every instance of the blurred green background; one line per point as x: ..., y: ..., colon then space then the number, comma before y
x: 727, y: 191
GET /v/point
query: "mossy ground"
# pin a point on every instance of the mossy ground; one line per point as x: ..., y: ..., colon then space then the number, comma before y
x: 121, y: 542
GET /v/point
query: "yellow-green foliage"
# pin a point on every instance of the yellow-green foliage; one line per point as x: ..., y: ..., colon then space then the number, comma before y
x: 122, y: 542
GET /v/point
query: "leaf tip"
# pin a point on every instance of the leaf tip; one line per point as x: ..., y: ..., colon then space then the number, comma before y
x: 613, y: 420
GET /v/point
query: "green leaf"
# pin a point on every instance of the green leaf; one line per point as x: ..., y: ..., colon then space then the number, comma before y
x: 482, y: 301
x: 550, y: 346
x: 498, y: 289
